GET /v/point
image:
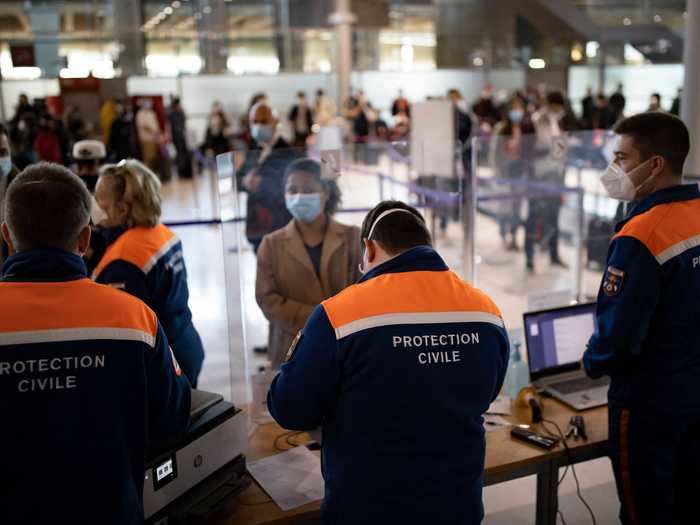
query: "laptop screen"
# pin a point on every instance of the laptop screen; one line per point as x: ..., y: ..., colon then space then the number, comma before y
x: 556, y: 339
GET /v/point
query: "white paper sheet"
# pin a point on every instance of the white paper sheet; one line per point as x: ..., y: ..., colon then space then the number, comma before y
x: 292, y: 478
x: 501, y: 406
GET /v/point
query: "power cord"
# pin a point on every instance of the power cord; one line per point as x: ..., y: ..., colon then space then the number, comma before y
x: 286, y: 436
x: 569, y: 465
x: 561, y: 517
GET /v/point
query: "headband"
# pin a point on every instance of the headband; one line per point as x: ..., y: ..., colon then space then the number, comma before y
x: 381, y: 216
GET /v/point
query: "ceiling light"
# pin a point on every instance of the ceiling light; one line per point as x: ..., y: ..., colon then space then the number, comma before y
x: 176, y: 4
x: 537, y: 63
x: 592, y: 49
x: 627, y: 21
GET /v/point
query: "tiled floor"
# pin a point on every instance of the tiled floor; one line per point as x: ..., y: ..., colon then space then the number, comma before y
x: 221, y: 280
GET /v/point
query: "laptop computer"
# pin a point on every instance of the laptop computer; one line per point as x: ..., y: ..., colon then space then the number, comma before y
x: 555, y: 340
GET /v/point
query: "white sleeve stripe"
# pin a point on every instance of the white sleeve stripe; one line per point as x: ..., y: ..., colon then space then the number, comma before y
x: 159, y: 254
x: 61, y: 335
x: 678, y: 249
x: 417, y: 318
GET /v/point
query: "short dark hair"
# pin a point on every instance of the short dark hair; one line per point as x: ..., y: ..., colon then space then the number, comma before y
x: 396, y: 232
x: 556, y: 97
x: 46, y: 206
x: 4, y: 131
x: 313, y: 168
x: 656, y: 133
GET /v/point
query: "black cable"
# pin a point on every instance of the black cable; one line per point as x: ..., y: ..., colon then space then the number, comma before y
x: 277, y: 440
x: 561, y: 517
x: 571, y: 464
x: 566, y: 469
x: 286, y: 436
x: 290, y: 436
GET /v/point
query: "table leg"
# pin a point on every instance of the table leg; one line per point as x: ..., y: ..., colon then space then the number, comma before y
x: 547, y: 494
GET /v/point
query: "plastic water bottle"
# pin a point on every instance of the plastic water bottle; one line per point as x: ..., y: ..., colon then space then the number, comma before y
x: 518, y: 375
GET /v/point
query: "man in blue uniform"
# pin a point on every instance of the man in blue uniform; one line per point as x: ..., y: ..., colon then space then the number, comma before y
x: 87, y: 381
x: 648, y: 337
x: 398, y: 371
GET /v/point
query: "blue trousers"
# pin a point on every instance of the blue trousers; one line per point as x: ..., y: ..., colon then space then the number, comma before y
x: 656, y: 460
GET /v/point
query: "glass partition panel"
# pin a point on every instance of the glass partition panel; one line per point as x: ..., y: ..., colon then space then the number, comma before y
x: 542, y: 220
x: 192, y: 199
x: 273, y: 284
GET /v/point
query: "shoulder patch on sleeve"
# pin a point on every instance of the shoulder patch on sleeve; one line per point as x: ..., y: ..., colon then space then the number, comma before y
x: 293, y: 346
x: 612, y: 281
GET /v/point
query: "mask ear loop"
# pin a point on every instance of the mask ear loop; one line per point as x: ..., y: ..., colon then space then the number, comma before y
x: 648, y: 179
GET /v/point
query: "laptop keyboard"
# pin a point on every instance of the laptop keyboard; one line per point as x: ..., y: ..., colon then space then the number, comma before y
x: 577, y: 385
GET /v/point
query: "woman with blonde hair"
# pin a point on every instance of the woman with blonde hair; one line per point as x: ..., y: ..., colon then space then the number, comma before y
x: 144, y: 257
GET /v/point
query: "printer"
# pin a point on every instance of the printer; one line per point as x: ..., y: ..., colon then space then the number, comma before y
x: 203, y: 468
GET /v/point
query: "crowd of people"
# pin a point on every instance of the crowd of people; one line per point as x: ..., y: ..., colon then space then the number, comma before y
x: 519, y: 129
x: 123, y: 357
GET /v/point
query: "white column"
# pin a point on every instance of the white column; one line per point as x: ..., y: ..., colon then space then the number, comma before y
x: 128, y: 19
x: 343, y: 19
x: 690, y: 106
x: 45, y: 19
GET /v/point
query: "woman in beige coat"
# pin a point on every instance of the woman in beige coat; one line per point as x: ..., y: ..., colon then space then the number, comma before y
x: 312, y: 258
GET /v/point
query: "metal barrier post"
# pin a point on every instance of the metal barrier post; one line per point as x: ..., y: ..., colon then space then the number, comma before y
x: 578, y: 262
x: 469, y: 217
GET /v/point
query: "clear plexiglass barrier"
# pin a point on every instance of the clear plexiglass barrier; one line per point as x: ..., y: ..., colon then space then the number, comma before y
x: 526, y: 220
x: 272, y: 285
x: 542, y: 220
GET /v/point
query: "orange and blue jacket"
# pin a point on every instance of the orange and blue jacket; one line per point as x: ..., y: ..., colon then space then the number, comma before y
x: 148, y: 263
x: 648, y: 335
x: 88, y: 386
x: 398, y: 371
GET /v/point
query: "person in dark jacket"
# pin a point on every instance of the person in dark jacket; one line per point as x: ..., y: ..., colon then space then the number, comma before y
x: 88, y: 384
x: 398, y: 370
x: 178, y: 131
x: 122, y: 137
x: 300, y: 119
x: 144, y: 258
x: 512, y: 146
x: 262, y: 174
x: 647, y: 338
x: 23, y: 129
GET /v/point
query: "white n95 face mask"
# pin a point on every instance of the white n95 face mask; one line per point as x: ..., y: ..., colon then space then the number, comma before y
x: 619, y: 185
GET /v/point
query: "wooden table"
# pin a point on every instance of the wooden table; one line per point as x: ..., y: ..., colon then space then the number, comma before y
x: 506, y: 459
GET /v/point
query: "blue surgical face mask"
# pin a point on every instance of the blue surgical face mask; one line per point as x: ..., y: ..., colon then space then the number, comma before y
x: 515, y: 116
x: 262, y: 133
x: 5, y: 165
x: 305, y: 207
